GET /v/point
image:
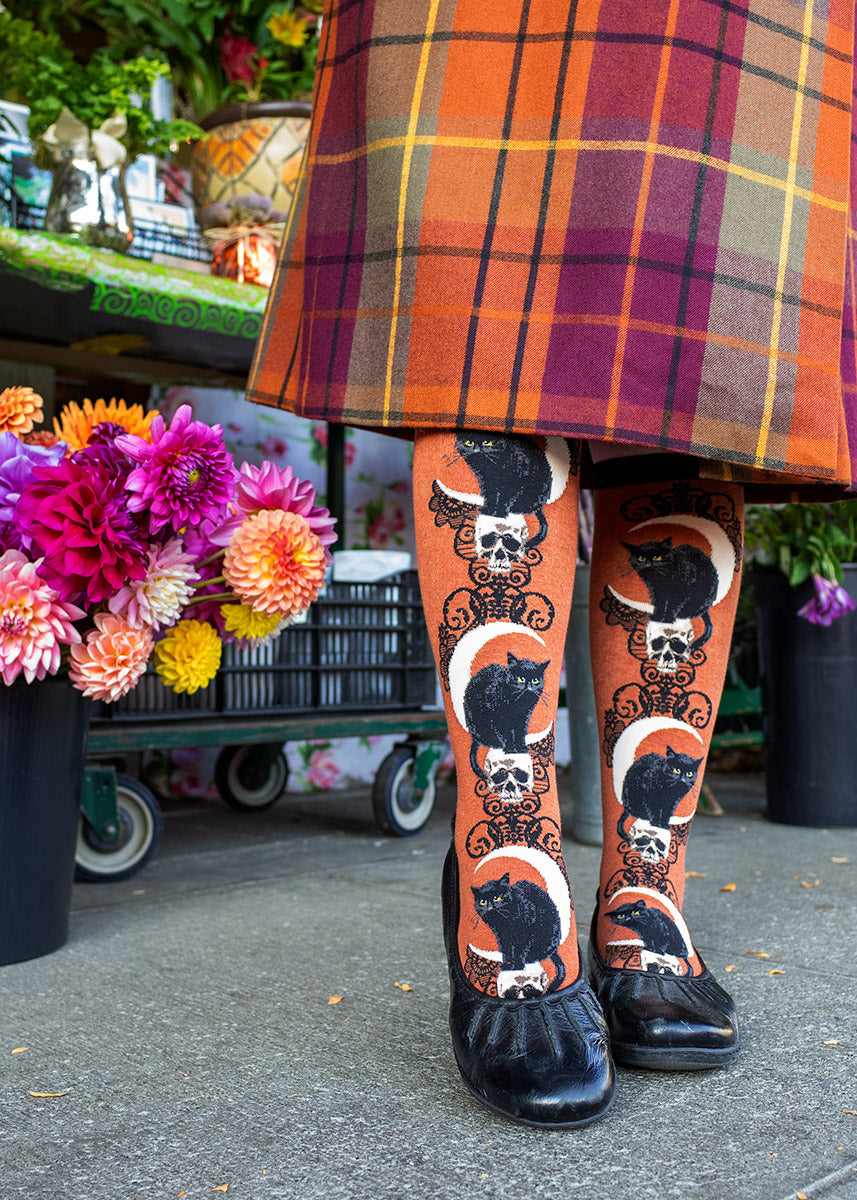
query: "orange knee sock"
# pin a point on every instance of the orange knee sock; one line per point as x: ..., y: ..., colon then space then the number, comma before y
x: 666, y: 563
x: 496, y: 530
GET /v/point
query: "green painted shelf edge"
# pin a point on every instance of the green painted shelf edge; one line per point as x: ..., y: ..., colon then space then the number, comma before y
x: 135, y: 288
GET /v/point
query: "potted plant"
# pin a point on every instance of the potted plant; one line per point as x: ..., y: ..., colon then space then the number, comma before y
x: 244, y: 70
x: 803, y: 561
x: 122, y: 540
x: 88, y: 121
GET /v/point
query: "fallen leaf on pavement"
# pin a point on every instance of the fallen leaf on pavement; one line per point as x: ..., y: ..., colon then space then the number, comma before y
x: 851, y: 1112
x: 333, y: 999
x: 404, y: 987
x: 19, y: 1049
x: 224, y: 1187
x: 839, y: 860
x: 696, y: 874
x: 758, y: 954
x: 729, y: 887
x: 800, y: 1195
x: 832, y: 1042
x: 804, y: 883
x: 776, y: 971
x: 48, y: 1095
x: 731, y: 967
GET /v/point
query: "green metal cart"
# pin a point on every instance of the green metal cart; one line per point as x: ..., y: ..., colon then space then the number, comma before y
x: 361, y: 664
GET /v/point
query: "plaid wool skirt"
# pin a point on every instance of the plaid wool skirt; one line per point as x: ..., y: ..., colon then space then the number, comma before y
x: 606, y: 219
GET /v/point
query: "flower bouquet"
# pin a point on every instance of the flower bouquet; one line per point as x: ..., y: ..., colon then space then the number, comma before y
x: 807, y: 541
x: 124, y: 539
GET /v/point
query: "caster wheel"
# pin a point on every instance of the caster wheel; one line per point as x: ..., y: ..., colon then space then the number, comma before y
x: 141, y: 827
x: 246, y: 785
x: 398, y: 807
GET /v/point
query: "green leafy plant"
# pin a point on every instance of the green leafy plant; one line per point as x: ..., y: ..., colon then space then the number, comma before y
x: 803, y: 539
x: 39, y: 71
x: 219, y: 51
x: 807, y: 541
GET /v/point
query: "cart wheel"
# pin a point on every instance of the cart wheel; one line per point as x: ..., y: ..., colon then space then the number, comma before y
x: 242, y: 785
x: 141, y: 827
x: 398, y: 807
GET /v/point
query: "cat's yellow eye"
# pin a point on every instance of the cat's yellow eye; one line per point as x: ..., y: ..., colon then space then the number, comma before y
x: 676, y: 771
x: 483, y: 903
x: 657, y: 557
x: 487, y: 443
x: 497, y: 899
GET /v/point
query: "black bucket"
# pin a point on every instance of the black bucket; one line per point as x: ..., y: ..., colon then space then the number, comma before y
x: 42, y: 748
x: 809, y: 674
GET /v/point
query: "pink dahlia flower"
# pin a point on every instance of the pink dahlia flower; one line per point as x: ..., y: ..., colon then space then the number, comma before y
x: 77, y: 517
x: 185, y: 475
x: 275, y: 563
x: 112, y: 659
x: 159, y: 597
x: 273, y: 487
x: 34, y: 622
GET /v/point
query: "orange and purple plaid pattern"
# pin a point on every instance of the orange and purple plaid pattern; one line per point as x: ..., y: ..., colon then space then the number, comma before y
x: 603, y: 220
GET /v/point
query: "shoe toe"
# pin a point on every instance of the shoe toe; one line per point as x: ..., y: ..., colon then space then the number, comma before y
x: 666, y: 1022
x: 544, y: 1061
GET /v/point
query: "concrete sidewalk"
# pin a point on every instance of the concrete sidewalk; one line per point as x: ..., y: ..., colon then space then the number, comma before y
x: 187, y: 1022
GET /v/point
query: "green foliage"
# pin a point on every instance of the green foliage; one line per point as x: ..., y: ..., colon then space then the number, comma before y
x: 40, y: 71
x: 188, y: 33
x: 803, y: 539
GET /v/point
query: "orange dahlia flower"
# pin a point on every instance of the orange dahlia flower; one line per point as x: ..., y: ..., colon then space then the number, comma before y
x: 275, y: 563
x: 77, y: 423
x: 20, y: 408
x: 111, y: 659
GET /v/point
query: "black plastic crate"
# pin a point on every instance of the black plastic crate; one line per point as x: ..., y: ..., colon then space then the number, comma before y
x: 363, y: 646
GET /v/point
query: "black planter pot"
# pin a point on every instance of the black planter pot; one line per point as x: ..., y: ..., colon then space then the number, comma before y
x: 42, y: 747
x: 809, y: 688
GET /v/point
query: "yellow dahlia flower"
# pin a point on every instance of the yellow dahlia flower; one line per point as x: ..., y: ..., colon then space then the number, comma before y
x: 275, y: 563
x: 246, y: 622
x: 20, y: 408
x: 287, y: 29
x: 189, y: 655
x: 76, y: 423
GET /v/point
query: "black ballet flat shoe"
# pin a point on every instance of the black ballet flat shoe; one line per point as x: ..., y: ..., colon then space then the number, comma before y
x: 664, y: 1022
x: 543, y: 1061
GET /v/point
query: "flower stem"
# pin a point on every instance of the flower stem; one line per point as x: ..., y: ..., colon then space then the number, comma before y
x: 211, y: 558
x: 205, y: 599
x: 206, y: 582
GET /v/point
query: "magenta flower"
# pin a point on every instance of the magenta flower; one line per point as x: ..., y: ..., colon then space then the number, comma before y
x: 829, y: 602
x: 34, y: 622
x: 76, y: 515
x: 184, y: 477
x: 273, y: 487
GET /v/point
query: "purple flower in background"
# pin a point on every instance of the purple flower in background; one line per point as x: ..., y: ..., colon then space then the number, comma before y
x: 17, y: 460
x: 829, y: 602
x: 185, y: 476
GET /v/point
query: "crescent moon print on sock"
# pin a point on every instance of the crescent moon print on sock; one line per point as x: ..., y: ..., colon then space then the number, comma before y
x: 651, y: 787
x: 529, y: 922
x: 684, y: 583
x: 662, y: 937
x: 495, y: 704
x: 517, y: 478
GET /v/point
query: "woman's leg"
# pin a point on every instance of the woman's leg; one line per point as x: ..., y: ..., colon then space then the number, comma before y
x: 666, y: 568
x: 496, y: 528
